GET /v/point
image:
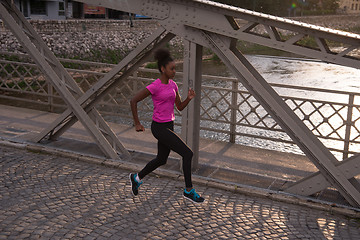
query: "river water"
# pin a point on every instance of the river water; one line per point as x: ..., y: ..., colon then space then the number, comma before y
x: 299, y: 72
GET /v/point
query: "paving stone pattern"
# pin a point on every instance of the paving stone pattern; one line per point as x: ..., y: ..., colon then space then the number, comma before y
x: 50, y: 197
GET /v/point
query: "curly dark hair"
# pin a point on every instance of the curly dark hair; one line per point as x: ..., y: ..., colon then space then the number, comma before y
x: 163, y: 57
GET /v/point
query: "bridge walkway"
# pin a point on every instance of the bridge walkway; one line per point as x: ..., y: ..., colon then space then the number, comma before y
x: 233, y: 167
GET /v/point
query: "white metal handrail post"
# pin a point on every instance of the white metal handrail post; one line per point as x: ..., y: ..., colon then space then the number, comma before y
x: 51, y: 97
x: 349, y: 124
x: 234, y: 108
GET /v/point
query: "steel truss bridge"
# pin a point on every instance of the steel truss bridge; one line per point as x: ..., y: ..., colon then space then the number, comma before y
x: 212, y: 25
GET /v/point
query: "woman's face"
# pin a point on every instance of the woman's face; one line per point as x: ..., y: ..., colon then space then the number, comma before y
x: 169, y: 70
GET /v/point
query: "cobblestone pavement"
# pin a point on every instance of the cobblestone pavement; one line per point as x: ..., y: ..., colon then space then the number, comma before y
x: 50, y: 197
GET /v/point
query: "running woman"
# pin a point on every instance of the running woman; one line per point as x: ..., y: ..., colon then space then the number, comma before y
x: 164, y: 93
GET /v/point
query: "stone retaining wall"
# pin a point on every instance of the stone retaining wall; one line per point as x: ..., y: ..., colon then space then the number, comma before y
x: 77, y: 38
x: 70, y: 38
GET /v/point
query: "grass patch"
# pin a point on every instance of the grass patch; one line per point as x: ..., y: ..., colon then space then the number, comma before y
x: 215, y: 58
x: 71, y: 65
x: 23, y: 85
x: 353, y: 30
x: 255, y: 49
x: 151, y: 65
x: 10, y: 70
x: 111, y: 56
x: 107, y: 56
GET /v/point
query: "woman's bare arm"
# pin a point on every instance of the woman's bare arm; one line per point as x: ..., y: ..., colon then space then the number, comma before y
x: 141, y: 95
x: 182, y: 104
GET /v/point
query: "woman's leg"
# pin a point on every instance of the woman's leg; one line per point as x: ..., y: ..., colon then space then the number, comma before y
x: 169, y: 138
x: 161, y: 159
x: 163, y: 151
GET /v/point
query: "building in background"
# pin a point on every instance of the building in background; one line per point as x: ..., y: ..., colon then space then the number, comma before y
x: 47, y: 9
x: 65, y: 9
x: 349, y: 6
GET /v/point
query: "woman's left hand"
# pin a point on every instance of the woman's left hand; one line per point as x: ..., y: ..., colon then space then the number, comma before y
x: 191, y: 94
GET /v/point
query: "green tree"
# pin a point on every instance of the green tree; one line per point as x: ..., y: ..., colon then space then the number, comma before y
x: 273, y: 7
x: 330, y: 5
x: 284, y: 7
x: 315, y: 7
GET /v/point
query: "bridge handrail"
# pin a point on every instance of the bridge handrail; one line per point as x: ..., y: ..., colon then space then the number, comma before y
x: 21, y: 86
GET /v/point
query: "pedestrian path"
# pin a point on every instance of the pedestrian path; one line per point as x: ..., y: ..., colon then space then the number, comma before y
x: 45, y: 196
x: 229, y: 166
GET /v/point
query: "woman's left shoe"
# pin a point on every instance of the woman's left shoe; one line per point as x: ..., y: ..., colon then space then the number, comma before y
x: 134, y: 184
x: 193, y: 196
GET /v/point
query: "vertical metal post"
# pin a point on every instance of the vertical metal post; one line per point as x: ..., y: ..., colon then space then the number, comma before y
x: 51, y: 97
x: 190, y: 130
x: 233, y: 107
x: 135, y: 83
x: 348, y: 126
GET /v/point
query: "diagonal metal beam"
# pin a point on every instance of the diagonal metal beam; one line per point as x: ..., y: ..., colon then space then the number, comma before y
x: 225, y: 48
x: 141, y: 54
x: 317, y: 182
x: 100, y: 84
x: 38, y: 42
x: 54, y: 72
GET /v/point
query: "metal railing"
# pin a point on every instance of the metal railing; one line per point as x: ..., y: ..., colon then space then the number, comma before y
x: 228, y: 111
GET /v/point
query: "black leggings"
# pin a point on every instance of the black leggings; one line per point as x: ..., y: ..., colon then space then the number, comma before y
x: 169, y: 140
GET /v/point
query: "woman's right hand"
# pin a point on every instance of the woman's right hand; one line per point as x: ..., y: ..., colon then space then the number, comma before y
x: 133, y: 103
x: 139, y: 128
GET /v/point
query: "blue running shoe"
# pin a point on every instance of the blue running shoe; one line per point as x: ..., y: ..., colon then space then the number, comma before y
x: 193, y: 196
x: 134, y: 184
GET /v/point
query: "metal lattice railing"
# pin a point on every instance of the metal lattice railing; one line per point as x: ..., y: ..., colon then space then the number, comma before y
x: 228, y: 111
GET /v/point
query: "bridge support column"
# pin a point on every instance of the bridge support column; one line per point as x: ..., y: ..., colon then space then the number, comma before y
x: 191, y: 115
